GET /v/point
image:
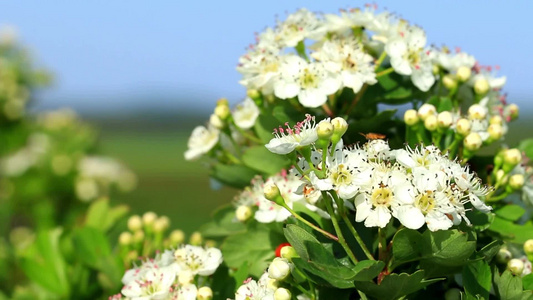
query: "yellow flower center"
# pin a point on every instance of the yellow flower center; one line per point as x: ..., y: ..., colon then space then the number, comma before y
x: 382, y: 196
x: 425, y: 202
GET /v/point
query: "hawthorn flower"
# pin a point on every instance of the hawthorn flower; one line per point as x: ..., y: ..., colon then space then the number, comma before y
x: 198, y: 260
x: 298, y: 26
x: 201, y: 141
x: 310, y: 81
x: 408, y: 57
x: 269, y: 211
x: 154, y: 284
x: 350, y: 61
x: 342, y: 24
x: 286, y: 140
x: 260, y: 69
x: 185, y: 292
x: 255, y: 290
x: 245, y: 114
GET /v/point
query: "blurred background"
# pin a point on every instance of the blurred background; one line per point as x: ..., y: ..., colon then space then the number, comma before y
x: 147, y: 74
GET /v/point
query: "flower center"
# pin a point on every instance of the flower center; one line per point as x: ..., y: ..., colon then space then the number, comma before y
x: 272, y: 66
x: 342, y: 175
x: 382, y: 196
x: 350, y: 64
x: 413, y: 56
x: 308, y: 79
x: 425, y: 202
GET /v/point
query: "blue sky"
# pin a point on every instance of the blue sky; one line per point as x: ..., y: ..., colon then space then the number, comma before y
x: 105, y: 52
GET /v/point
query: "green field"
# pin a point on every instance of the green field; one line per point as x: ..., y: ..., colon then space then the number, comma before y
x: 168, y: 185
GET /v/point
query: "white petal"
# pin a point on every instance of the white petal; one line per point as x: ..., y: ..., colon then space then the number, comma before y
x: 396, y: 48
x: 312, y: 98
x: 423, y: 79
x: 401, y: 65
x: 410, y: 216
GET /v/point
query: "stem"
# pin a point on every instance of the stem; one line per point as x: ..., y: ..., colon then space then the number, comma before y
x: 380, y: 60
x: 384, y: 72
x: 327, y: 110
x: 341, y: 239
x: 382, y: 244
x: 231, y: 156
x: 357, y: 98
x: 248, y: 135
x: 327, y: 234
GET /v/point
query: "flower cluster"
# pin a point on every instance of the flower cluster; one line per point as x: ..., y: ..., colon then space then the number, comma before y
x: 174, y: 274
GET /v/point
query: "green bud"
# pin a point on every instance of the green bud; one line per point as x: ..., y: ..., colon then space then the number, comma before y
x: 177, y: 237
x: 243, y: 213
x: 205, y: 293
x: 282, y: 294
x: 222, y: 111
x: 431, y: 123
x: 449, y: 82
x: 481, y: 86
x: 463, y: 127
x: 288, y: 252
x: 149, y: 218
x: 503, y: 256
x: 516, y: 266
x: 196, y: 239
x: 516, y: 181
x: 463, y: 73
x: 272, y: 193
x: 495, y: 131
x: 472, y: 141
x: 528, y: 247
x: 513, y: 110
x: 410, y: 117
x: 125, y: 238
x: 324, y: 130
x: 444, y: 119
x: 511, y: 157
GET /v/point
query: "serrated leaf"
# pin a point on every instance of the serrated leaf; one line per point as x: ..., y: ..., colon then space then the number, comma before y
x: 257, y: 246
x: 447, y: 247
x: 101, y: 216
x: 262, y: 160
x: 477, y: 279
x: 324, y: 275
x: 238, y: 176
x: 298, y: 237
x: 511, y: 212
x: 366, y: 270
x: 517, y: 233
x: 395, y: 286
x: 407, y: 245
x: 508, y: 286
x: 490, y: 250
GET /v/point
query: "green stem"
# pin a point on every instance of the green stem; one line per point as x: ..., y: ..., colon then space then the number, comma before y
x: 341, y: 239
x: 380, y: 60
x: 248, y: 135
x: 231, y: 156
x: 297, y: 216
x: 382, y: 247
x: 384, y: 72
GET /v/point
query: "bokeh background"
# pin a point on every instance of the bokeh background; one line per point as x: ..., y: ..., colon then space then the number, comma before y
x: 146, y: 73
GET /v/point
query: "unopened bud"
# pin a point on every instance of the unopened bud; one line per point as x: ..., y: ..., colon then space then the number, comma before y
x: 185, y: 278
x: 435, y: 69
x: 161, y: 224
x: 196, y: 238
x: 444, y: 119
x: 222, y: 101
x: 528, y: 247
x: 210, y: 243
x: 339, y: 126
x: 243, y: 213
x: 463, y: 73
x: 473, y: 141
x: 288, y: 252
x: 503, y: 256
x: 282, y: 294
x: 495, y: 131
x: 216, y: 122
x: 149, y: 218
x: 205, y: 293
x: 512, y: 157
x: 463, y: 127
x: 477, y: 112
x: 177, y: 237
x: 324, y: 130
x: 516, y: 266
x: 449, y: 81
x: 125, y: 238
x: 134, y: 223
x: 501, y: 177
x: 431, y: 123
x: 222, y: 111
x: 410, y: 117
x: 516, y: 181
x: 253, y: 93
x: 138, y: 236
x: 279, y: 269
x: 496, y: 119
x: 513, y: 110
x: 481, y: 86
x: 272, y: 193
x: 426, y: 110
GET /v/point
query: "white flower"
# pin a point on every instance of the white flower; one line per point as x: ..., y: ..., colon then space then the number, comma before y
x: 348, y: 59
x: 298, y: 26
x: 495, y: 83
x: 286, y: 140
x: 269, y: 211
x: 408, y: 57
x: 198, y: 260
x: 245, y: 114
x: 452, y: 62
x: 153, y: 284
x: 201, y: 141
x: 310, y: 81
x: 260, y: 69
x: 342, y: 24
x: 185, y: 292
x: 255, y: 290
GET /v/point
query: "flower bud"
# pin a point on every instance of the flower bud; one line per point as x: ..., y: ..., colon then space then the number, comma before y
x: 410, y: 117
x: 272, y: 284
x: 496, y: 119
x: 61, y: 164
x: 503, y: 256
x: 134, y: 223
x: 516, y: 181
x: 161, y: 224
x: 196, y: 239
x: 282, y: 294
x: 222, y: 111
x: 243, y: 213
x: 279, y: 269
x: 513, y: 110
x: 463, y: 73
x: 210, y: 243
x: 481, y: 86
x: 185, y: 277
x: 339, y: 126
x: 528, y: 247
x: 288, y: 252
x: 516, y: 266
x: 444, y: 119
x: 204, y: 293
x: 125, y: 238
x: 495, y: 131
x: 512, y: 157
x: 324, y: 130
x: 431, y: 123
x: 253, y: 93
x: 177, y: 237
x: 477, y: 112
x: 435, y: 69
x: 426, y: 110
x: 449, y: 81
x: 472, y: 141
x: 272, y: 193
x: 463, y: 127
x: 216, y: 122
x: 501, y: 177
x: 149, y: 218
x: 452, y: 294
x: 138, y: 236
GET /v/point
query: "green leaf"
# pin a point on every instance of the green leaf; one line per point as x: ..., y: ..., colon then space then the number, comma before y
x: 335, y: 276
x: 407, y: 245
x: 395, y: 286
x: 511, y: 212
x: 480, y: 221
x: 43, y: 263
x: 527, y: 281
x: 490, y: 250
x: 237, y: 176
x: 477, y: 280
x: 265, y: 125
x: 508, y: 286
x: 261, y: 159
x: 447, y: 247
x: 527, y: 147
x: 101, y: 216
x: 445, y: 104
x: 223, y: 223
x: 512, y: 232
x: 257, y: 246
x: 366, y: 270
x: 298, y: 237
x: 91, y: 245
x: 242, y: 272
